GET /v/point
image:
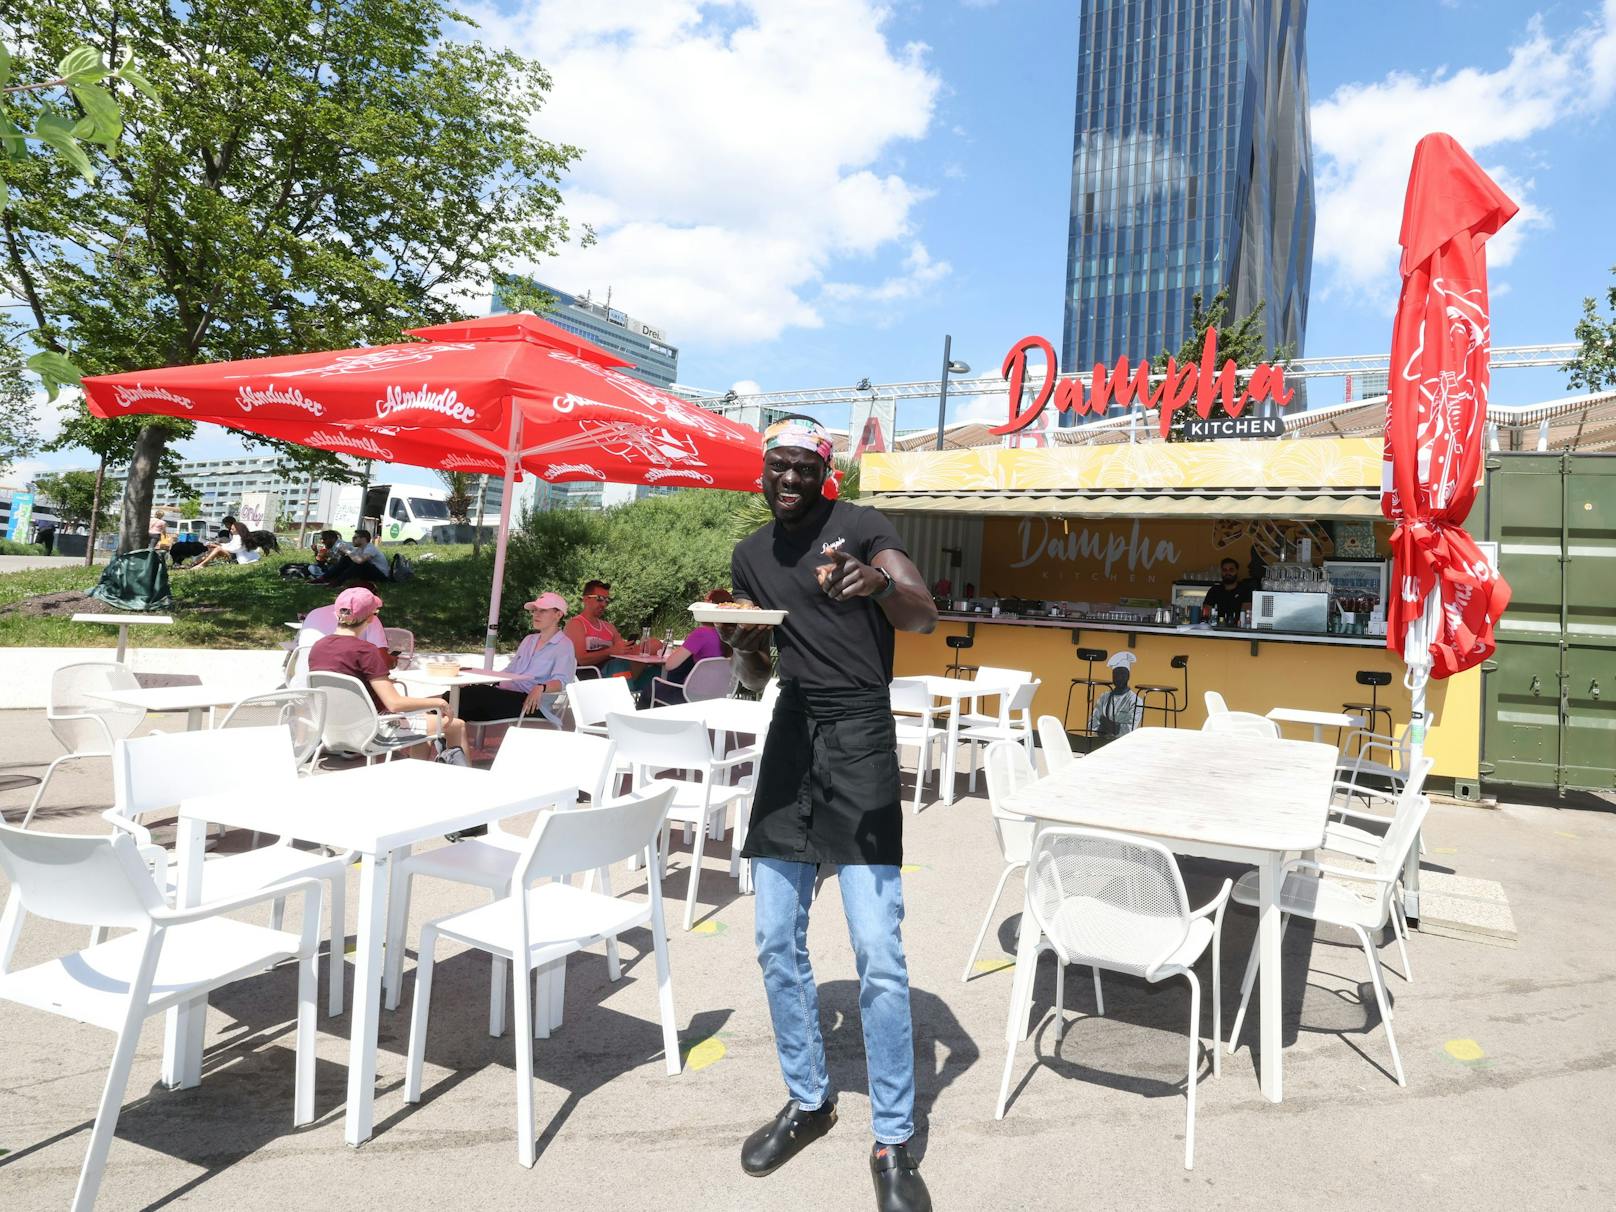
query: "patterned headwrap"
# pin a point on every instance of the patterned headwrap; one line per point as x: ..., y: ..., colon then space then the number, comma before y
x: 803, y: 432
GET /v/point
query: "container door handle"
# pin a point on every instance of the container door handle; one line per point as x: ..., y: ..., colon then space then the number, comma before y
x: 1536, y: 687
x: 1593, y: 688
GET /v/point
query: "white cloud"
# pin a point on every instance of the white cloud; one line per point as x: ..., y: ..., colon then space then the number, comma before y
x: 1364, y: 137
x: 920, y: 273
x: 735, y: 151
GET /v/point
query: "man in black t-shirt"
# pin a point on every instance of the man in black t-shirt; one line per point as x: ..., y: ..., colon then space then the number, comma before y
x: 1223, y: 602
x: 827, y: 792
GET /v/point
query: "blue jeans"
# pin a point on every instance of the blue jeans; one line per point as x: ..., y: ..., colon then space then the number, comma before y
x: 872, y: 899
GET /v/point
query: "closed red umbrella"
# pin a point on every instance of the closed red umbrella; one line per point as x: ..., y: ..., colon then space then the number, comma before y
x: 1445, y: 597
x: 495, y: 395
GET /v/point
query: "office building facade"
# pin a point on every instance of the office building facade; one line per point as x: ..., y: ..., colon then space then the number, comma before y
x: 1191, y: 171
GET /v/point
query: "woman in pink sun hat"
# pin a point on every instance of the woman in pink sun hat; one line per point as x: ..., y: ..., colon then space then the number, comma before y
x: 545, y: 661
x: 347, y: 651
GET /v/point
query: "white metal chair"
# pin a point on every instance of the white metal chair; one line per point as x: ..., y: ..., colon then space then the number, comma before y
x: 1241, y: 723
x: 302, y: 712
x: 86, y: 726
x: 997, y: 682
x: 1015, y: 724
x: 157, y: 772
x: 593, y: 699
x: 913, y: 709
x: 1391, y: 767
x: 1358, y: 899
x: 1056, y: 744
x: 353, y: 726
x: 1215, y: 704
x: 400, y: 640
x: 1119, y: 903
x: 168, y: 957
x: 709, y: 678
x: 541, y: 926
x: 1008, y: 770
x: 534, y: 757
x: 650, y: 745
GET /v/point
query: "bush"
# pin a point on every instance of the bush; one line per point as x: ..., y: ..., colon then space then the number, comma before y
x: 658, y: 554
x: 12, y: 547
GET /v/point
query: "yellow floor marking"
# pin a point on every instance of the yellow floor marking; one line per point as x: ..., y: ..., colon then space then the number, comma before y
x: 711, y: 926
x: 1562, y: 833
x: 994, y: 965
x: 703, y: 1053
x: 1463, y: 1050
x: 1446, y: 850
x: 910, y: 868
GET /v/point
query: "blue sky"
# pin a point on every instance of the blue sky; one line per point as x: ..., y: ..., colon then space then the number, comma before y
x: 806, y: 194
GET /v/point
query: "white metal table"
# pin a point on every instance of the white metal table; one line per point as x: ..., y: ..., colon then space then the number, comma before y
x: 379, y: 811
x: 1240, y: 799
x: 123, y: 622
x: 745, y: 716
x: 454, y: 681
x: 1319, y: 719
x: 192, y: 700
x: 954, y: 690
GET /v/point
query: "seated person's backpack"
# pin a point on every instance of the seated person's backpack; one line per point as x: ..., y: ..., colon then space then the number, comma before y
x: 400, y: 569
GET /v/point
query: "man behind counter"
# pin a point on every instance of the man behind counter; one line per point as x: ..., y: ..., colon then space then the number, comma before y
x: 1224, y: 600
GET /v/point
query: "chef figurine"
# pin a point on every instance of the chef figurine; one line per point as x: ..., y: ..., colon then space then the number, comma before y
x: 1120, y: 709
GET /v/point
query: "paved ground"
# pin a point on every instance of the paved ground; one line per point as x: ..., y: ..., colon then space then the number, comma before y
x: 1509, y: 1054
x: 17, y: 563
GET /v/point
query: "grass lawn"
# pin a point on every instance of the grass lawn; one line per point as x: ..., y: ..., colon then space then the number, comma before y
x: 246, y: 605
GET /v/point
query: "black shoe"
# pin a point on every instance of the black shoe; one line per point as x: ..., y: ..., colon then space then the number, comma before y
x: 898, y: 1185
x: 785, y: 1136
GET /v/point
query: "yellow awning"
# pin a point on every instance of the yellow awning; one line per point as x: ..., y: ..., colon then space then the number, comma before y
x: 1125, y: 505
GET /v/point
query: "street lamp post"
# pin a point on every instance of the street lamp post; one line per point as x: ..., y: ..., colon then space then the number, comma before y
x: 950, y: 367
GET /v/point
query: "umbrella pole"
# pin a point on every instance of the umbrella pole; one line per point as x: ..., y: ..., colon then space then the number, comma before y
x: 492, y: 632
x: 1417, y: 657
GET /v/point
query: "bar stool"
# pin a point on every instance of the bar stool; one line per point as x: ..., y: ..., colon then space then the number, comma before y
x: 1090, y: 655
x: 1170, y: 706
x: 959, y: 643
x: 1374, y: 679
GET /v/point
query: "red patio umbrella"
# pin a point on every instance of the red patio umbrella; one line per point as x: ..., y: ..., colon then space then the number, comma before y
x: 500, y: 395
x: 1445, y: 596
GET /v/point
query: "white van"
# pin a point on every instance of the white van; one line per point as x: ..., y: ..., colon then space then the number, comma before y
x: 398, y: 513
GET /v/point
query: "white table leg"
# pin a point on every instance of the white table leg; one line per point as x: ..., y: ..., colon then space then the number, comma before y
x: 123, y: 641
x: 394, y: 975
x: 182, y: 1029
x: 953, y: 747
x: 193, y: 719
x: 1411, y: 881
x: 367, y: 994
x: 1271, y: 877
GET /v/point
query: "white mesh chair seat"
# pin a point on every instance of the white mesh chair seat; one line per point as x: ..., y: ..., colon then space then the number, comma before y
x: 84, y: 725
x: 1119, y: 903
x: 1357, y: 898
x: 1353, y: 840
x: 1316, y: 897
x: 562, y: 919
x: 353, y: 725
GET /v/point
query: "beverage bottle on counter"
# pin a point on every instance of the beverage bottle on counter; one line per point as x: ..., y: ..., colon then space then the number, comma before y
x: 1245, y: 618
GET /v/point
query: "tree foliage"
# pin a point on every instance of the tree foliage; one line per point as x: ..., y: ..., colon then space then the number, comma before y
x: 73, y: 494
x: 1241, y: 341
x: 306, y: 174
x: 461, y: 489
x: 1594, y: 367
x: 18, y: 437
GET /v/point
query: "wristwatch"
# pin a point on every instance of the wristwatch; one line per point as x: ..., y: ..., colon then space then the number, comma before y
x: 886, y: 590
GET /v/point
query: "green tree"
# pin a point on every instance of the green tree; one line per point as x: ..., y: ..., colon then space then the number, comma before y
x: 459, y: 484
x: 18, y: 437
x: 191, y: 507
x: 74, y: 495
x: 323, y: 174
x: 1594, y: 367
x: 1242, y: 341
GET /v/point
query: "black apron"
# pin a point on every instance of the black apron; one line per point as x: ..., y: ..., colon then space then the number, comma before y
x: 827, y: 789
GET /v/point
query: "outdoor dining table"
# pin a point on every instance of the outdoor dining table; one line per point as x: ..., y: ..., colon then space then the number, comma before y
x: 123, y: 622
x: 1241, y: 799
x: 954, y: 690
x: 193, y: 700
x: 454, y: 681
x: 379, y: 812
x: 1319, y: 719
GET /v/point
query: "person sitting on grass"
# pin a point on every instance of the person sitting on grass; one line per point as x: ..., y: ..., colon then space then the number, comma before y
x: 241, y: 546
x: 347, y: 651
x: 362, y: 561
x: 543, y: 664
x: 700, y: 645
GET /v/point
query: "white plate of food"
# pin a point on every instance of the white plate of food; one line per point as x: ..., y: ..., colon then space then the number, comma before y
x: 714, y: 612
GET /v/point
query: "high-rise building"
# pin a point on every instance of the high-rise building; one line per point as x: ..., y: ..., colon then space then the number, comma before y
x: 1191, y: 170
x: 633, y: 340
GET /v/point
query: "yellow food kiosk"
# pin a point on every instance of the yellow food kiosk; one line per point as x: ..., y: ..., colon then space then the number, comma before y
x: 1036, y: 554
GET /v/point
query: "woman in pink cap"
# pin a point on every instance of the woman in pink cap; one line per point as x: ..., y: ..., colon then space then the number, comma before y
x: 544, y: 662
x: 347, y: 651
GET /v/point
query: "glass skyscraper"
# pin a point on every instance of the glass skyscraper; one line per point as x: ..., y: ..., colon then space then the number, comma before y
x: 1192, y: 169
